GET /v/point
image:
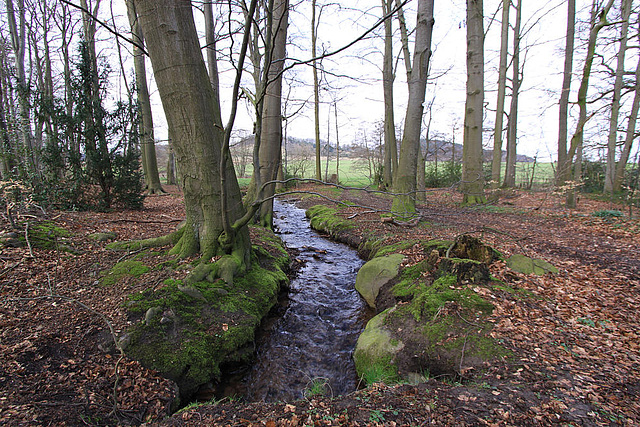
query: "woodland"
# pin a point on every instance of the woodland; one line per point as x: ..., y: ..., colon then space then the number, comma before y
x: 130, y: 289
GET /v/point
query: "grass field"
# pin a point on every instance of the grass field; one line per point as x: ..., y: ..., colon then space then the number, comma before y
x: 359, y: 172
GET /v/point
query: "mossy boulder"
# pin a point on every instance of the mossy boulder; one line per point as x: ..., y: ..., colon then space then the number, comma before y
x: 131, y: 268
x: 434, y: 323
x: 102, y: 237
x: 376, y: 350
x: 328, y: 220
x: 187, y: 331
x: 376, y: 273
x: 526, y: 265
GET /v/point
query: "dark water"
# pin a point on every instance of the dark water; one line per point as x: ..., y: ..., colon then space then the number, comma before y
x: 313, y: 342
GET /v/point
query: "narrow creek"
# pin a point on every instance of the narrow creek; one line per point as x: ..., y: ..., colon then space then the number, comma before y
x: 312, y: 343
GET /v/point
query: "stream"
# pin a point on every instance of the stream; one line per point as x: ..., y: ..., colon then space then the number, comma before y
x: 312, y: 343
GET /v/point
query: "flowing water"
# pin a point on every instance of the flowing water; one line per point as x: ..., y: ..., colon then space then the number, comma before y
x: 313, y: 341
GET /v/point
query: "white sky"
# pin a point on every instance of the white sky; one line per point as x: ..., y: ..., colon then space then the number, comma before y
x: 359, y: 87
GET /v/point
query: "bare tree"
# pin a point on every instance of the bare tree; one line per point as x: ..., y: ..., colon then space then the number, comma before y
x: 612, y: 141
x: 496, y: 165
x: 405, y: 178
x: 516, y: 81
x: 149, y: 158
x: 472, y: 176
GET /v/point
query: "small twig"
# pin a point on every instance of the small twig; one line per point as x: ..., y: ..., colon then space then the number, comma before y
x: 26, y: 237
x: 465, y: 320
x: 128, y: 254
x: 462, y: 355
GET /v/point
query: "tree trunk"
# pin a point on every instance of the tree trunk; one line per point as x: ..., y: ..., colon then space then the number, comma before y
x: 630, y: 134
x: 496, y: 164
x: 271, y: 135
x: 612, y: 141
x: 189, y: 105
x: 578, y: 136
x: 17, y: 29
x: 512, y: 127
x: 472, y: 175
x: 564, y: 95
x: 150, y: 160
x: 405, y: 178
x: 390, y: 144
x: 316, y: 88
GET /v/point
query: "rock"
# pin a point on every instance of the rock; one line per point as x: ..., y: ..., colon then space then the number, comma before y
x: 151, y: 313
x: 375, y: 350
x: 102, y: 237
x: 526, y: 265
x: 375, y: 274
x: 192, y: 292
x: 124, y: 342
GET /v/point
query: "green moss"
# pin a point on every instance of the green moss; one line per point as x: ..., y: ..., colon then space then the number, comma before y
x: 130, y: 268
x: 326, y: 219
x: 391, y: 249
x: 200, y: 325
x: 46, y: 235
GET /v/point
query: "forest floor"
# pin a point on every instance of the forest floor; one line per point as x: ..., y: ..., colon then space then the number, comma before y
x: 576, y: 338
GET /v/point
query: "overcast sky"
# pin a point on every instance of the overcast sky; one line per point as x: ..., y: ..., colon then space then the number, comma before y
x: 355, y: 77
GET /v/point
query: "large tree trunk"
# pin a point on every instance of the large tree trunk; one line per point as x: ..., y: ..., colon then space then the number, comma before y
x: 316, y: 88
x: 512, y: 128
x: 564, y: 95
x: 496, y: 164
x: 405, y: 178
x: 17, y: 29
x: 612, y: 141
x: 598, y: 21
x: 189, y: 105
x: 630, y: 134
x: 472, y: 176
x: 150, y: 160
x: 271, y: 135
x: 390, y: 144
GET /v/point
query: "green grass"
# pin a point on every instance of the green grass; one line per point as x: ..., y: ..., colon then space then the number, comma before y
x: 357, y: 173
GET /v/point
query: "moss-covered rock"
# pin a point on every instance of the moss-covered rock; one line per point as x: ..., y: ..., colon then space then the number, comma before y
x: 434, y: 323
x: 376, y: 350
x: 526, y: 265
x: 132, y: 268
x: 102, y: 237
x: 327, y: 220
x: 375, y: 274
x: 187, y: 331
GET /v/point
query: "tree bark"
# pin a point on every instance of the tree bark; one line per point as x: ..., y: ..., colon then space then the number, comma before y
x: 17, y: 29
x: 496, y: 164
x: 512, y: 127
x: 390, y: 143
x: 405, y: 178
x: 564, y: 95
x: 612, y: 140
x: 150, y: 160
x: 316, y: 88
x: 271, y: 135
x: 598, y: 21
x: 189, y: 105
x: 472, y: 175
x: 630, y: 134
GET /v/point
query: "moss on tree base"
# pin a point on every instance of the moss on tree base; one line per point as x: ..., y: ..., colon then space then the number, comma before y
x: 186, y: 331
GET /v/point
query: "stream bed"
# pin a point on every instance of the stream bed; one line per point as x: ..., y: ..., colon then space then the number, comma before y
x: 309, y: 347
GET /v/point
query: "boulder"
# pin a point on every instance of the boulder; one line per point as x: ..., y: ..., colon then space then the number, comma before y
x: 376, y: 350
x: 526, y: 265
x: 375, y: 274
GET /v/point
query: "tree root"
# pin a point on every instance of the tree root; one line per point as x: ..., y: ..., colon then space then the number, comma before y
x: 156, y: 242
